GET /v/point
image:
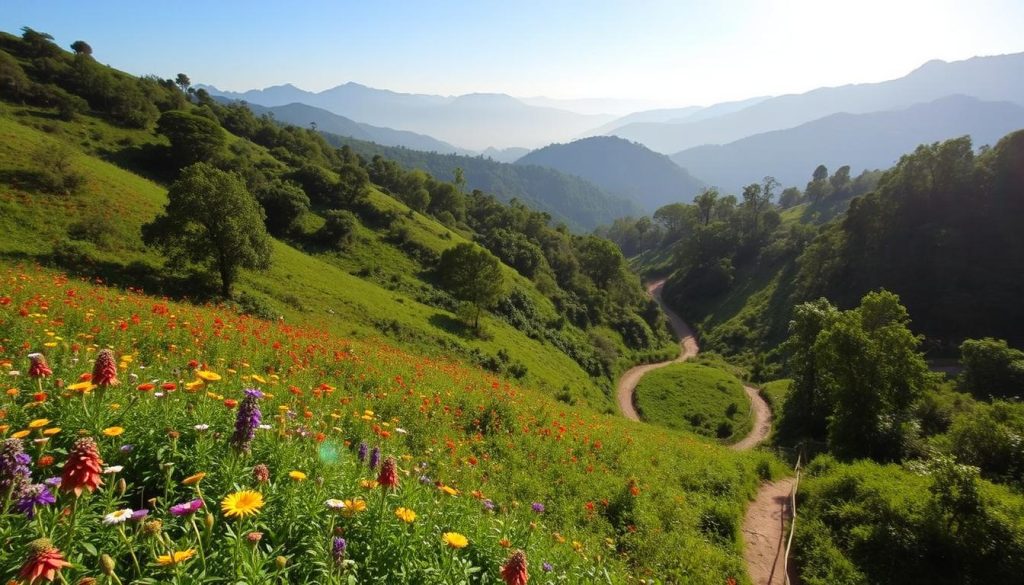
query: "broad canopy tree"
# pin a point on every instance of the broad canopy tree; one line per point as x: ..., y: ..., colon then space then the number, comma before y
x: 211, y: 219
x: 472, y: 274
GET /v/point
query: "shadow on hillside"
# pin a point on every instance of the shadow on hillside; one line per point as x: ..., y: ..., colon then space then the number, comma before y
x: 148, y: 160
x: 137, y: 275
x: 452, y: 325
x: 24, y: 180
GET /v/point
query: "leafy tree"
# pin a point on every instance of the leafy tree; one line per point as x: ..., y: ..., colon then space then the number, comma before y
x: 210, y: 218
x: 81, y: 48
x: 283, y: 202
x: 183, y: 82
x: 992, y: 368
x: 472, y: 274
x: 193, y: 138
x: 338, y: 229
x: 790, y: 197
x: 706, y: 204
x: 818, y: 188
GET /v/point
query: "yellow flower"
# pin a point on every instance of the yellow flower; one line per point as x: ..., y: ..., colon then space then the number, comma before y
x: 39, y: 422
x: 194, y: 479
x: 368, y: 483
x: 179, y: 557
x: 259, y: 378
x: 455, y: 540
x: 83, y: 387
x: 194, y: 385
x: 297, y: 475
x: 241, y: 504
x: 4, y: 428
x: 353, y: 507
x: 51, y: 431
x: 449, y: 490
x: 113, y: 431
x: 405, y: 515
x: 207, y: 376
x: 21, y: 434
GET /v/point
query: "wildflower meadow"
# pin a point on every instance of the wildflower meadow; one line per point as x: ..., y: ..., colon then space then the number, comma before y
x: 148, y: 441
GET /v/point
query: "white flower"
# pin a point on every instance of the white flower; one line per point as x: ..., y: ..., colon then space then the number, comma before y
x: 34, y: 356
x: 401, y: 430
x: 334, y: 504
x: 266, y: 427
x: 118, y: 516
x: 158, y: 394
x: 113, y: 469
x: 201, y: 427
x: 14, y: 373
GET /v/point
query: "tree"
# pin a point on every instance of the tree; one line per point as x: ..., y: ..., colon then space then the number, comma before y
x: 211, y: 219
x: 790, y: 196
x: 283, y: 202
x: 992, y: 368
x: 338, y: 229
x: 818, y: 188
x: 183, y: 82
x: 472, y: 274
x: 706, y: 204
x: 81, y: 48
x: 193, y: 138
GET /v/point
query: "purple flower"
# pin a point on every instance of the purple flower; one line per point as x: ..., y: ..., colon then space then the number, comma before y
x: 247, y: 421
x: 52, y: 481
x: 425, y: 479
x: 374, y: 458
x: 15, y: 474
x: 32, y: 496
x: 138, y: 515
x: 186, y: 508
x: 547, y: 567
x: 127, y: 448
x: 538, y: 507
x: 361, y: 454
x: 488, y: 505
x: 338, y: 546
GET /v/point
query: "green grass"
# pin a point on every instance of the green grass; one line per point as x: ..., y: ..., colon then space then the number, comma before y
x: 775, y: 392
x: 697, y: 398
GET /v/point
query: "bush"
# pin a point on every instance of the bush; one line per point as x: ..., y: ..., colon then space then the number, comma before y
x: 56, y: 170
x: 338, y: 229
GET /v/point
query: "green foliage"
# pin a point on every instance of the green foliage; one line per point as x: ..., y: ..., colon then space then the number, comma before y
x: 989, y: 436
x: 472, y: 274
x: 856, y: 375
x: 56, y: 170
x: 283, y: 202
x: 932, y: 522
x: 992, y: 368
x: 193, y: 138
x: 697, y: 398
x: 338, y: 229
x: 211, y: 218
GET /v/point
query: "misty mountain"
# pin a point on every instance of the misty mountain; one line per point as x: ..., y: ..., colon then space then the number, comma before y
x: 998, y: 78
x: 303, y: 115
x: 473, y: 121
x: 505, y: 155
x: 677, y: 115
x: 621, y: 167
x: 863, y: 141
x: 576, y: 202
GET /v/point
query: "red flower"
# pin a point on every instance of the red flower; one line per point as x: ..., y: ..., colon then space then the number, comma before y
x: 388, y: 477
x: 44, y: 561
x: 514, y: 571
x: 39, y: 368
x: 104, y: 372
x: 230, y: 402
x: 83, y: 468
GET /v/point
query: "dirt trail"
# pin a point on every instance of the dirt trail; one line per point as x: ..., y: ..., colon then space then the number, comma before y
x: 765, y: 521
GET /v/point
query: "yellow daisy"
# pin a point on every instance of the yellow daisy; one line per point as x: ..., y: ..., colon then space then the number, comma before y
x: 194, y: 479
x: 179, y: 557
x: 113, y: 431
x: 405, y: 515
x: 241, y: 504
x: 455, y: 540
x: 39, y: 422
x: 297, y: 475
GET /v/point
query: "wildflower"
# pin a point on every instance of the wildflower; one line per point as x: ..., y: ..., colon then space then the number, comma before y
x: 547, y: 567
x: 449, y: 490
x: 15, y: 474
x: 405, y: 515
x: 152, y: 528
x: 39, y: 423
x: 242, y: 503
x: 297, y: 475
x: 139, y: 515
x: 333, y: 504
x: 514, y: 571
x: 455, y: 540
x: 280, y: 562
x: 118, y: 516
x: 254, y: 538
x: 45, y: 461
x: 83, y: 467
x: 33, y: 496
x: 44, y: 561
x: 353, y: 507
x: 207, y: 376
x: 368, y: 484
x: 374, y: 458
x: 261, y: 473
x: 338, y: 546
x: 104, y: 372
x: 187, y: 508
x: 388, y: 477
x: 538, y: 507
x: 488, y: 504
x: 113, y: 469
x: 145, y: 387
x: 361, y: 454
x: 38, y: 368
x: 248, y: 418
x: 113, y: 431
x: 51, y: 431
x: 178, y: 557
x: 194, y: 479
x: 202, y: 427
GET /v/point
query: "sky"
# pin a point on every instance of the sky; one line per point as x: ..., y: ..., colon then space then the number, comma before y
x: 655, y: 52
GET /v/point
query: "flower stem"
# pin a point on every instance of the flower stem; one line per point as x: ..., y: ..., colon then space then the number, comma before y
x: 131, y: 550
x: 202, y: 548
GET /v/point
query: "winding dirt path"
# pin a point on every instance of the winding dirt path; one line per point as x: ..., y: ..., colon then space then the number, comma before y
x: 764, y: 524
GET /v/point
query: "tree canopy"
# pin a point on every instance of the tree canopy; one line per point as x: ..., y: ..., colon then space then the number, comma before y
x: 472, y: 274
x: 211, y: 219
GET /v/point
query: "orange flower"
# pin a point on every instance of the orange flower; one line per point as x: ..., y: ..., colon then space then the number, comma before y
x: 145, y: 387
x: 44, y: 562
x: 194, y: 479
x: 113, y: 431
x: 83, y: 469
x: 514, y: 571
x: 230, y: 402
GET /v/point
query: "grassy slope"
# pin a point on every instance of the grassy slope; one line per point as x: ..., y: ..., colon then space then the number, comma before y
x: 298, y: 286
x: 775, y: 392
x: 694, y: 397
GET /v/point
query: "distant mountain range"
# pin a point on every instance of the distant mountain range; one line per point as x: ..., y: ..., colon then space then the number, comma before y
x: 998, y: 78
x: 306, y: 116
x: 863, y: 141
x: 620, y: 167
x: 676, y: 115
x: 472, y: 121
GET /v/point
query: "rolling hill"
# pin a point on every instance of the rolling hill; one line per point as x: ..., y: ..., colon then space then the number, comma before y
x: 863, y: 141
x: 621, y: 167
x: 996, y: 78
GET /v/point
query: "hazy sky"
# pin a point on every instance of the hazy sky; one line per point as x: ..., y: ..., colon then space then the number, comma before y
x: 679, y: 52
